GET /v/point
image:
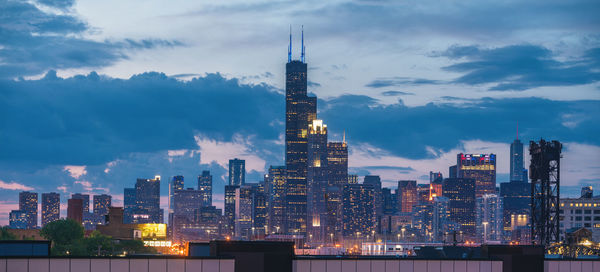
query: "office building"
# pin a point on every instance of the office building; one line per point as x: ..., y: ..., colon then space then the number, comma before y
x: 230, y: 204
x: 186, y: 204
x: 337, y: 164
x: 205, y: 186
x: 375, y: 181
x: 389, y: 203
x: 177, y: 184
x: 260, y: 211
x: 28, y: 203
x: 147, y: 201
x: 50, y: 207
x: 317, y: 177
x: 101, y: 204
x: 244, y: 206
x: 237, y: 172
x: 300, y: 110
x: 481, y: 168
x: 440, y: 221
x: 407, y: 195
x: 435, y: 184
x: 422, y: 220
x: 75, y: 209
x: 489, y: 218
x: 517, y: 171
x: 86, y: 201
x: 17, y: 219
x: 276, y: 187
x: 516, y: 196
x: 461, y: 203
x: 576, y: 213
x: 358, y: 209
x: 129, y: 204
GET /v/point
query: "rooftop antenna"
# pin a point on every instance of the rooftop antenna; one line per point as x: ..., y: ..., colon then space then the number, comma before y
x: 517, y: 130
x: 344, y: 137
x: 302, y: 56
x: 290, y: 46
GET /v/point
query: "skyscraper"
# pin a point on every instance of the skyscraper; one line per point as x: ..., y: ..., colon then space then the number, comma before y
x: 229, y: 206
x: 237, y: 172
x: 205, y: 186
x: 317, y: 177
x: 101, y: 204
x: 300, y: 110
x: 517, y: 203
x: 489, y: 218
x: 147, y: 201
x: 75, y: 209
x: 176, y: 184
x: 244, y: 207
x: 358, y: 209
x: 28, y: 203
x: 407, y: 195
x: 50, y: 207
x: 128, y: 205
x: 461, y: 203
x: 276, y: 187
x: 337, y: 164
x: 481, y: 168
x: 86, y: 201
x: 516, y: 161
x: 186, y: 204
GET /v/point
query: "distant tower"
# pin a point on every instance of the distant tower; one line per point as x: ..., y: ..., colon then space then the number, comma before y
x: 50, y: 207
x: 28, y: 203
x: 205, y: 185
x: 516, y: 160
x: 544, y: 172
x: 237, y: 172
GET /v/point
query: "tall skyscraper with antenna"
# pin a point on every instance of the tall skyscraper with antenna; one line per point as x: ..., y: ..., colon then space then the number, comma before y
x: 300, y: 110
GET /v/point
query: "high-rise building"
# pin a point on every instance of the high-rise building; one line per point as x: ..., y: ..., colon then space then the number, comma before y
x: 244, y: 207
x: 185, y: 208
x: 230, y: 203
x: 516, y: 197
x: 461, y: 203
x: 237, y: 172
x: 129, y: 205
x: 489, y: 218
x: 407, y: 195
x: 300, y: 110
x: 28, y: 203
x: 358, y: 209
x: 435, y: 184
x: 390, y: 205
x: 260, y: 210
x: 50, y: 207
x: 101, y: 204
x: 440, y: 222
x: 177, y: 184
x: 453, y: 171
x: 317, y: 177
x: 205, y: 185
x: 516, y: 161
x: 337, y: 164
x: 376, y: 182
x: 86, y: 201
x: 17, y: 219
x: 481, y: 168
x: 276, y: 187
x: 147, y: 201
x: 75, y: 209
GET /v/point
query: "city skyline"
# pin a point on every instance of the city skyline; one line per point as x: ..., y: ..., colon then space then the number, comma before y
x: 93, y: 145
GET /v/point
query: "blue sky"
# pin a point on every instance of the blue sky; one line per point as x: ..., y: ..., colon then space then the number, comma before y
x: 93, y: 96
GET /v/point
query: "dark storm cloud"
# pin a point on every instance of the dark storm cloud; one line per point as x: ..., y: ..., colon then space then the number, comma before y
x: 521, y: 67
x: 33, y: 41
x: 93, y: 119
x: 407, y: 131
x: 400, y: 81
x: 61, y: 4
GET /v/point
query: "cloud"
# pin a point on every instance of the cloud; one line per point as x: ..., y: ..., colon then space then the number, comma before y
x: 75, y: 171
x: 400, y: 81
x: 14, y: 186
x: 34, y: 40
x: 395, y: 93
x: 521, y: 67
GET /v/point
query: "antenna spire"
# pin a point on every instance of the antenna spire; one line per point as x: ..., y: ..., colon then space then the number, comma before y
x: 344, y: 137
x: 517, y: 130
x: 303, y: 48
x: 290, y: 46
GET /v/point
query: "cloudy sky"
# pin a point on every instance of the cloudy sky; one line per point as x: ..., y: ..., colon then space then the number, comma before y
x: 94, y: 94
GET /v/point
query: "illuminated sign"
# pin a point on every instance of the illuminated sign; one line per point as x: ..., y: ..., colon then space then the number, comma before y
x: 157, y: 243
x: 153, y: 231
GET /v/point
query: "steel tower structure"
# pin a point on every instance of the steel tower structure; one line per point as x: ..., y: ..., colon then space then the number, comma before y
x: 544, y: 172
